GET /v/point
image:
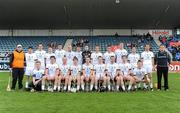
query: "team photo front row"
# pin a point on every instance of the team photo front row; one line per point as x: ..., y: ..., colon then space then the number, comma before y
x: 70, y: 71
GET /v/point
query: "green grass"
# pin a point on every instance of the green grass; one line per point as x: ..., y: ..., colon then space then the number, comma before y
x: 134, y: 102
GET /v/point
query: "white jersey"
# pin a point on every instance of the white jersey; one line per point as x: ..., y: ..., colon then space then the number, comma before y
x: 64, y: 69
x: 107, y: 57
x: 69, y: 56
x: 30, y: 60
x: 133, y: 59
x: 75, y: 69
x: 40, y: 55
x: 52, y: 69
x: 112, y: 69
x: 147, y: 57
x: 99, y: 69
x: 125, y: 67
x: 59, y: 54
x: 139, y: 72
x: 119, y: 53
x: 47, y: 56
x: 38, y: 73
x: 87, y: 69
x: 79, y: 56
x: 94, y: 57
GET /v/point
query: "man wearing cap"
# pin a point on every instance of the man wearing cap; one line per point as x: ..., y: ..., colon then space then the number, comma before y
x: 17, y: 63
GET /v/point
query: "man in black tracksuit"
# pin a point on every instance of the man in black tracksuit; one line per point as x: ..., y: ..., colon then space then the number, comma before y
x: 162, y: 60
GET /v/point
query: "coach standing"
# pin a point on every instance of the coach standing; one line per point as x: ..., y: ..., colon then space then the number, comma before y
x: 17, y: 63
x: 162, y: 61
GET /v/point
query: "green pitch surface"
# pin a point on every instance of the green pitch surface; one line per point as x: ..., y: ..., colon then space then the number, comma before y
x: 133, y: 102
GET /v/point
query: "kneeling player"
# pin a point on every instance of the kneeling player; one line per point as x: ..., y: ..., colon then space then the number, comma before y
x: 38, y: 73
x: 51, y: 74
x: 106, y: 80
x: 140, y: 75
x: 76, y: 71
x: 127, y: 72
x: 119, y: 80
x: 88, y: 74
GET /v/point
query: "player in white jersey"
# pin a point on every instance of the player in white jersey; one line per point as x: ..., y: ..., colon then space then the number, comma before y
x: 140, y: 75
x: 148, y: 62
x: 38, y: 74
x: 48, y: 55
x: 119, y: 52
x: 75, y: 72
x: 59, y: 54
x: 78, y: 54
x: 126, y: 68
x: 51, y: 74
x: 88, y: 74
x: 40, y: 55
x: 106, y: 80
x: 64, y: 71
x: 99, y: 71
x: 95, y: 55
x: 112, y: 67
x: 30, y: 60
x: 107, y: 55
x: 133, y: 57
x: 69, y: 55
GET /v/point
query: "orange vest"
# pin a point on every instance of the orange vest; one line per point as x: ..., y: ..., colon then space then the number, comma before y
x: 18, y: 61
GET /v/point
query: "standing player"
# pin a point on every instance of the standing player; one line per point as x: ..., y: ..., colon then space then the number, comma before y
x: 87, y: 74
x: 120, y: 52
x: 30, y: 61
x: 38, y: 74
x: 64, y: 71
x: 69, y: 55
x: 78, y: 55
x: 108, y: 54
x: 95, y: 55
x: 127, y: 72
x: 75, y: 70
x: 59, y: 54
x: 133, y: 57
x: 99, y: 71
x: 49, y: 54
x: 148, y: 61
x: 140, y: 75
x: 86, y: 53
x: 112, y: 67
x: 40, y: 55
x: 51, y: 74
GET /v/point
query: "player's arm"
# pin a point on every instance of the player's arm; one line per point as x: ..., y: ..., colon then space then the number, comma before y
x: 11, y: 60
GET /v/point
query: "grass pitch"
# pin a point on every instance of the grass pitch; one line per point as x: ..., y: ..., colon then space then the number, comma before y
x: 111, y: 102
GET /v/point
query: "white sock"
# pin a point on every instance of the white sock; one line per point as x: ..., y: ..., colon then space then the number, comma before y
x: 55, y: 87
x: 59, y: 88
x: 91, y: 87
x: 123, y: 87
x: 82, y: 86
x: 69, y: 87
x: 65, y: 87
x: 151, y: 85
x: 77, y: 87
x: 145, y: 86
x: 42, y: 87
x: 139, y: 85
x: 96, y: 87
x: 109, y: 87
x: 27, y: 83
x: 129, y: 87
x: 117, y: 87
x: 135, y: 86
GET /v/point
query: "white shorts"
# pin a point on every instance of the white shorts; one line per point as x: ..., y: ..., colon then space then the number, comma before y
x: 99, y: 76
x: 148, y: 68
x: 29, y: 71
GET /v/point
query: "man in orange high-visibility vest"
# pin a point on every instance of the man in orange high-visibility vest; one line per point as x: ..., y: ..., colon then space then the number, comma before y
x: 17, y: 63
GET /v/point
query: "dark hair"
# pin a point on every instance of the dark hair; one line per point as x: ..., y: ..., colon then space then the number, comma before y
x: 52, y: 57
x: 75, y: 58
x: 38, y: 62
